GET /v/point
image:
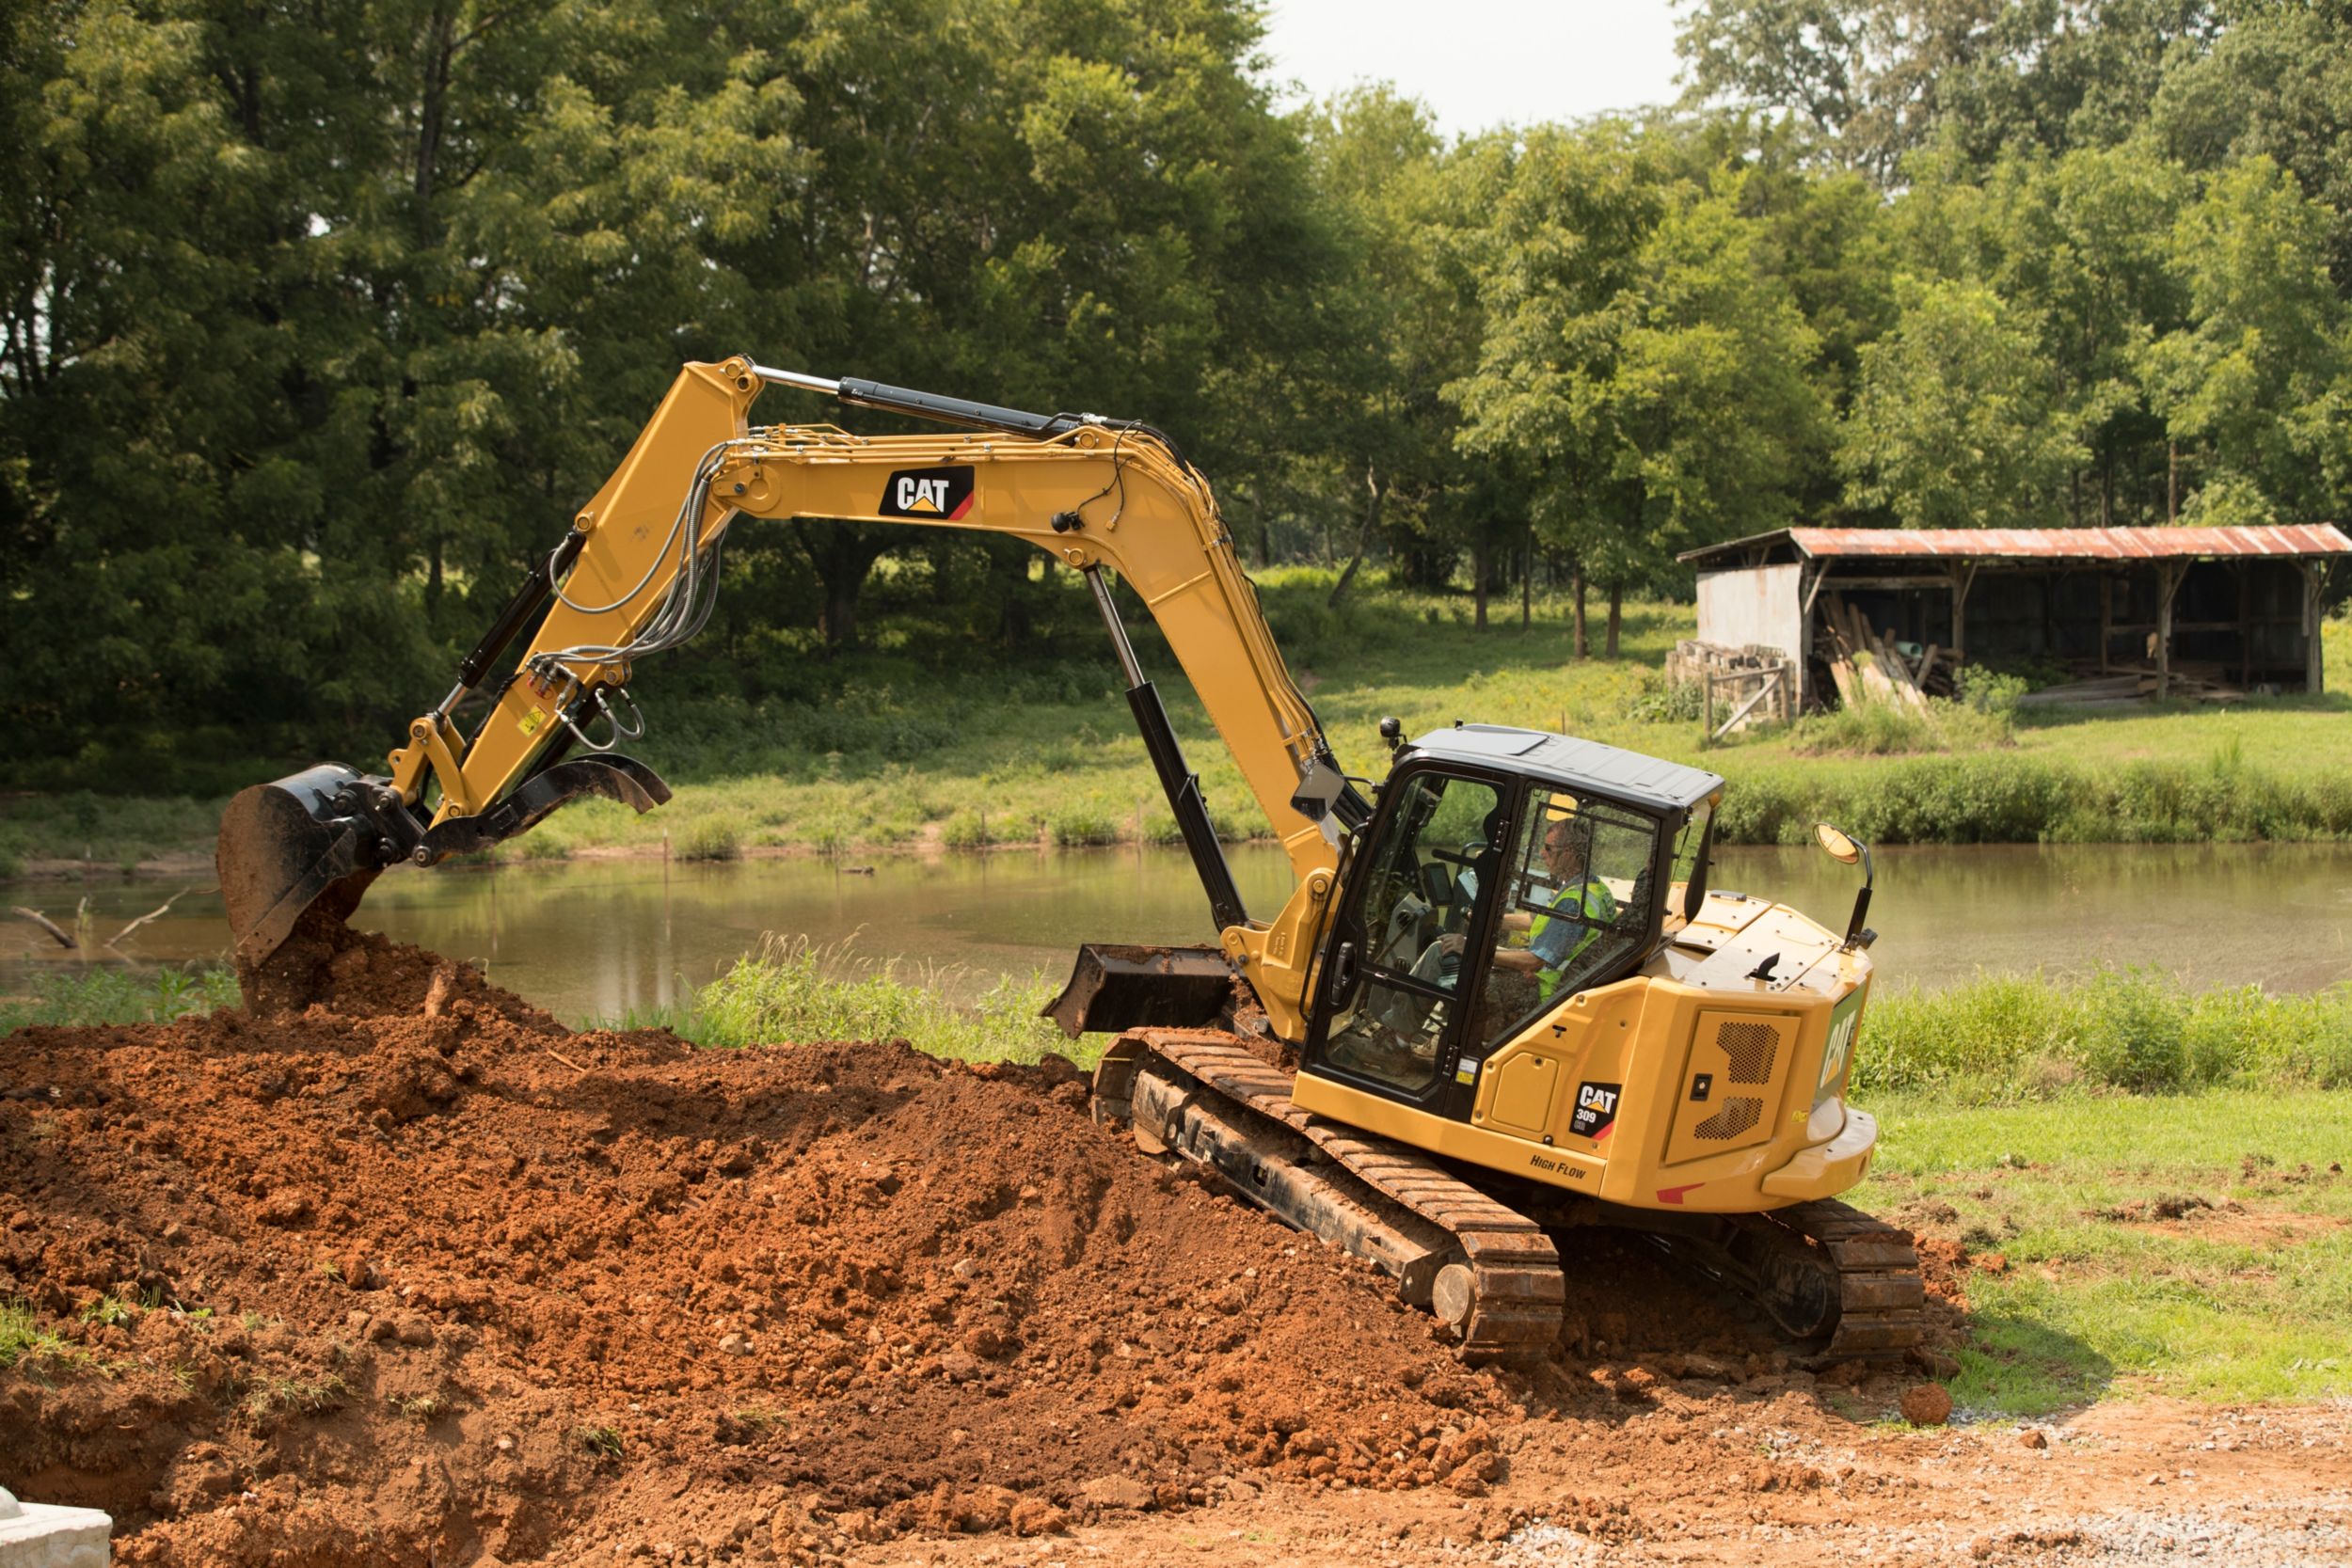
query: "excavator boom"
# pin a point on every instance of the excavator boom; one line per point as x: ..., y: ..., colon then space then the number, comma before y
x: 635, y: 575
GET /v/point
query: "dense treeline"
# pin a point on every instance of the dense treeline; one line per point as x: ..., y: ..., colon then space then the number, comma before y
x: 318, y: 318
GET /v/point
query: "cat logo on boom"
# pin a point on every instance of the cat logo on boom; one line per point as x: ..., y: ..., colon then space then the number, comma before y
x: 942, y: 493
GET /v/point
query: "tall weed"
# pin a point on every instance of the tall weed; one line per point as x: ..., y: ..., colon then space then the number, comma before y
x: 793, y: 990
x: 1890, y: 729
x: 2011, y: 1037
x: 87, y: 997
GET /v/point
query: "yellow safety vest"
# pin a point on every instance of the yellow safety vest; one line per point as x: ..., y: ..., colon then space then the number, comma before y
x: 1596, y: 904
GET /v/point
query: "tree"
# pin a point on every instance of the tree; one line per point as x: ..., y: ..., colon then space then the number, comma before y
x: 1879, y: 80
x: 2261, y: 385
x: 1953, y: 426
x: 2277, y: 83
x: 1406, y: 318
x: 2075, y: 248
x: 1638, y: 362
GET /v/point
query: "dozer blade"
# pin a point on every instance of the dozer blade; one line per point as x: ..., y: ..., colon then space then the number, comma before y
x: 309, y: 838
x: 1116, y: 987
x: 320, y: 836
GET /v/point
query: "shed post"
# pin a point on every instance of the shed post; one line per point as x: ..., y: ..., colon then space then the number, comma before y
x: 2314, y: 663
x: 2244, y: 576
x: 1961, y: 584
x: 1808, y: 578
x: 2167, y: 578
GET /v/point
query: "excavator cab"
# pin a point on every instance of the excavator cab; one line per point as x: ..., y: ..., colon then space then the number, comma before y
x: 1505, y: 872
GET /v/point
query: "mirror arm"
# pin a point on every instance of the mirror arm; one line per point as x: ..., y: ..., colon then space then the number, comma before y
x: 1858, y: 935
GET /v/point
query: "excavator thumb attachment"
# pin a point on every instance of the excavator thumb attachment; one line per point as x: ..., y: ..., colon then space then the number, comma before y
x: 1115, y: 986
x: 322, y: 835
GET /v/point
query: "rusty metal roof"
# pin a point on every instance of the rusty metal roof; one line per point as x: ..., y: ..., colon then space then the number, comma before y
x: 2032, y: 544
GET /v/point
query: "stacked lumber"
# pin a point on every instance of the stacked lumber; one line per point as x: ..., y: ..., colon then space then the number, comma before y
x: 1868, y: 666
x: 2192, y: 681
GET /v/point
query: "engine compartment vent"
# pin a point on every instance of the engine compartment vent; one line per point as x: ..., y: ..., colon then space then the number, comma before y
x: 1732, y: 1079
x: 1751, y: 1047
x: 1737, y: 1114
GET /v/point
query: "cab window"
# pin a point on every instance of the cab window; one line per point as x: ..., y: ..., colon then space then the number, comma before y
x: 1578, y: 908
x: 1420, y: 894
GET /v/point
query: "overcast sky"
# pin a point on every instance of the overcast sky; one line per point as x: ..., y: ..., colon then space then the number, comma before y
x: 1482, y: 62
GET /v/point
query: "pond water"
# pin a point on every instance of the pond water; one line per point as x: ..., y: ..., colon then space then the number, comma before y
x: 590, y: 939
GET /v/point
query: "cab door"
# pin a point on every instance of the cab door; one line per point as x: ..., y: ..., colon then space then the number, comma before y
x: 1399, y: 966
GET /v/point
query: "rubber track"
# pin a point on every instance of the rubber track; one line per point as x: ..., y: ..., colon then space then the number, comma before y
x: 1882, y: 1298
x: 1520, y: 1292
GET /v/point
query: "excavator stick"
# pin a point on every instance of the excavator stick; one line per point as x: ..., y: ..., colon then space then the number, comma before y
x: 321, y: 836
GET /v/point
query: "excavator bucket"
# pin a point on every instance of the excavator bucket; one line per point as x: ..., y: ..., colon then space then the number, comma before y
x: 1118, y: 986
x: 310, y: 837
x: 322, y: 835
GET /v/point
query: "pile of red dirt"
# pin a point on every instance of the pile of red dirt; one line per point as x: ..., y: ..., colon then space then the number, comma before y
x: 396, y: 1268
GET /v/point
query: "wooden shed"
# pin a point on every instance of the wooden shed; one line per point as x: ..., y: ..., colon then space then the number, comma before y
x: 2164, y: 612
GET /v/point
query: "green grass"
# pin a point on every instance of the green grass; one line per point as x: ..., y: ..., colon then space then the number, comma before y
x: 2008, y: 1038
x: 791, y: 990
x: 23, y: 1338
x: 306, y: 1396
x: 110, y: 830
x: 2250, y: 1303
x: 81, y: 998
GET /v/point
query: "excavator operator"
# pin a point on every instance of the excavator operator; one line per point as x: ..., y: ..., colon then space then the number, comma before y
x: 1582, y: 905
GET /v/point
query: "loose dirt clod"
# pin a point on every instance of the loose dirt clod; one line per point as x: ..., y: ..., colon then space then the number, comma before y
x: 1927, y: 1405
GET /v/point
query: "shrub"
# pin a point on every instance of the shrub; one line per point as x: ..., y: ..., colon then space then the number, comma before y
x: 711, y: 838
x: 2013, y: 798
x: 1074, y: 826
x: 966, y: 830
x: 1656, y: 699
x: 1993, y: 691
x: 2132, y: 1032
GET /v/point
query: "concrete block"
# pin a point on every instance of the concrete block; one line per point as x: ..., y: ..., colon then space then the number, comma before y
x: 39, y: 1535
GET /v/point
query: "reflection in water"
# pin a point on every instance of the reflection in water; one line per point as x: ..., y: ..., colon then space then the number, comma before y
x: 597, y: 938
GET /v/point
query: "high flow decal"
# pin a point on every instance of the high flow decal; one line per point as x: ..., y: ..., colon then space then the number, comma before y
x: 1596, y: 1109
x: 943, y: 493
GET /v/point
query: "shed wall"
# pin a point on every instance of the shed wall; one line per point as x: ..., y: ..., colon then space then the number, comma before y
x: 1754, y: 606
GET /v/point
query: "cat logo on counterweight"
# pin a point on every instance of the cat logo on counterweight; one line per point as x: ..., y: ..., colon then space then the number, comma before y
x: 944, y: 492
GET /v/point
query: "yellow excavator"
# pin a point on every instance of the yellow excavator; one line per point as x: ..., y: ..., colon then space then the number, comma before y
x: 1499, y: 1005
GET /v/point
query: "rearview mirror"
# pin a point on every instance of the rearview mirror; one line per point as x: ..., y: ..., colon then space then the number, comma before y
x: 1839, y: 842
x: 1844, y: 848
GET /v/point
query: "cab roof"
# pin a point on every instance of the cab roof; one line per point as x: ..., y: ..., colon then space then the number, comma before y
x: 1580, y: 764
